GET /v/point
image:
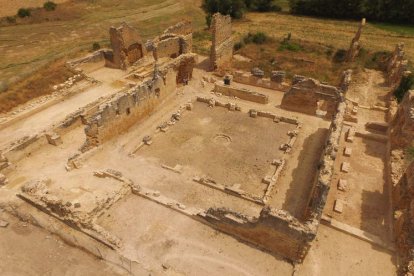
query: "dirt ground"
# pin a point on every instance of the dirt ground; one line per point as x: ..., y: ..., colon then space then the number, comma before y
x: 29, y: 250
x: 367, y: 198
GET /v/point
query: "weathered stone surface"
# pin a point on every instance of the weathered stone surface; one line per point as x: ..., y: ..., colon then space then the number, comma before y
x: 127, y: 47
x: 339, y: 206
x: 355, y: 43
x: 222, y: 44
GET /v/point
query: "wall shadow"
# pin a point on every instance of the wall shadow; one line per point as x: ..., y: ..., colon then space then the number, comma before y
x: 303, y: 176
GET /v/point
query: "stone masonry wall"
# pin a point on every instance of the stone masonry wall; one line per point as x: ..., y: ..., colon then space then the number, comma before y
x: 403, y: 196
x: 397, y: 66
x: 275, y: 231
x: 222, y: 44
x: 127, y: 47
x: 128, y: 107
x: 402, y: 126
x: 306, y: 95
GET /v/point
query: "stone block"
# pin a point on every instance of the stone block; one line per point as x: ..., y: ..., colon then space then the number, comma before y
x: 342, y: 185
x: 189, y: 106
x: 347, y: 151
x: 345, y: 167
x: 54, y: 139
x: 147, y: 140
x: 253, y: 113
x: 339, y: 206
x: 3, y: 180
x: 232, y: 106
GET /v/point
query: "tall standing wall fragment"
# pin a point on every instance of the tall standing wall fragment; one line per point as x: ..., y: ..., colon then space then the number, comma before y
x: 222, y: 44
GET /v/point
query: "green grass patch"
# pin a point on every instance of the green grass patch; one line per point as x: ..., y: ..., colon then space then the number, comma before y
x: 406, y: 30
x: 290, y: 46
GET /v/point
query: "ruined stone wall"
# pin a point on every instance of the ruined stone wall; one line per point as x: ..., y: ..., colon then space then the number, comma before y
x: 185, y: 30
x: 397, y: 66
x: 275, y: 231
x: 168, y: 47
x: 128, y: 107
x: 402, y: 126
x: 309, y: 95
x: 248, y: 78
x: 222, y: 44
x: 241, y: 93
x: 355, y: 44
x: 127, y: 47
x: 322, y: 181
x: 403, y: 203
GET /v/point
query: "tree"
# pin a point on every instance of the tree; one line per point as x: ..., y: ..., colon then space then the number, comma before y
x: 49, y: 6
x: 23, y: 12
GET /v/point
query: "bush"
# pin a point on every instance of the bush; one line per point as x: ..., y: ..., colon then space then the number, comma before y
x: 262, y: 6
x: 238, y: 45
x: 257, y: 38
x: 49, y: 6
x: 96, y: 46
x: 234, y: 8
x: 290, y: 46
x: 340, y: 55
x: 407, y: 82
x: 23, y: 12
x: 410, y: 153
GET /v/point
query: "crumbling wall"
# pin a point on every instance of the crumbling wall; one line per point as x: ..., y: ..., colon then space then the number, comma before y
x: 276, y: 81
x: 128, y: 107
x: 275, y: 230
x: 322, y: 181
x: 355, y: 44
x: 403, y: 203
x: 396, y: 66
x: 402, y: 126
x: 309, y: 95
x: 222, y: 44
x: 127, y: 47
x: 241, y: 93
x: 185, y: 30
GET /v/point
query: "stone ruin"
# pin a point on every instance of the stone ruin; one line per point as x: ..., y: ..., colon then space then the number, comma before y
x: 397, y: 66
x: 355, y: 44
x: 222, y: 44
x: 308, y: 95
x: 403, y: 204
x: 402, y: 129
x: 127, y: 47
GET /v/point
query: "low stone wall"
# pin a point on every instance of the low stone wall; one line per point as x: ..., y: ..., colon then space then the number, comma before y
x: 269, y: 83
x: 275, y: 230
x: 94, y: 57
x: 322, y: 181
x: 241, y: 93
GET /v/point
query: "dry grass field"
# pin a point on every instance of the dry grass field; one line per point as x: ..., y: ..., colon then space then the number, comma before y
x: 10, y: 8
x: 28, y: 47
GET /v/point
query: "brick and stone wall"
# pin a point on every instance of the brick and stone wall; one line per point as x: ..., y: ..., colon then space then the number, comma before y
x: 127, y: 47
x: 222, y: 44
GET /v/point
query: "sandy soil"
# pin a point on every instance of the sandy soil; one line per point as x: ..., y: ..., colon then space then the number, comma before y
x: 29, y: 250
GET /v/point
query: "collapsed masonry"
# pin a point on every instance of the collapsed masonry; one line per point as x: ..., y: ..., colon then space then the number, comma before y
x: 309, y: 96
x: 355, y: 44
x: 397, y: 66
x: 222, y: 44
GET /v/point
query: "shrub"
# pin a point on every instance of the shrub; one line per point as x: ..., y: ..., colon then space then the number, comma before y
x: 410, y: 152
x: 290, y: 46
x: 257, y: 38
x: 23, y: 12
x: 49, y: 6
x: 96, y: 46
x: 407, y: 82
x: 238, y: 45
x: 340, y: 55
